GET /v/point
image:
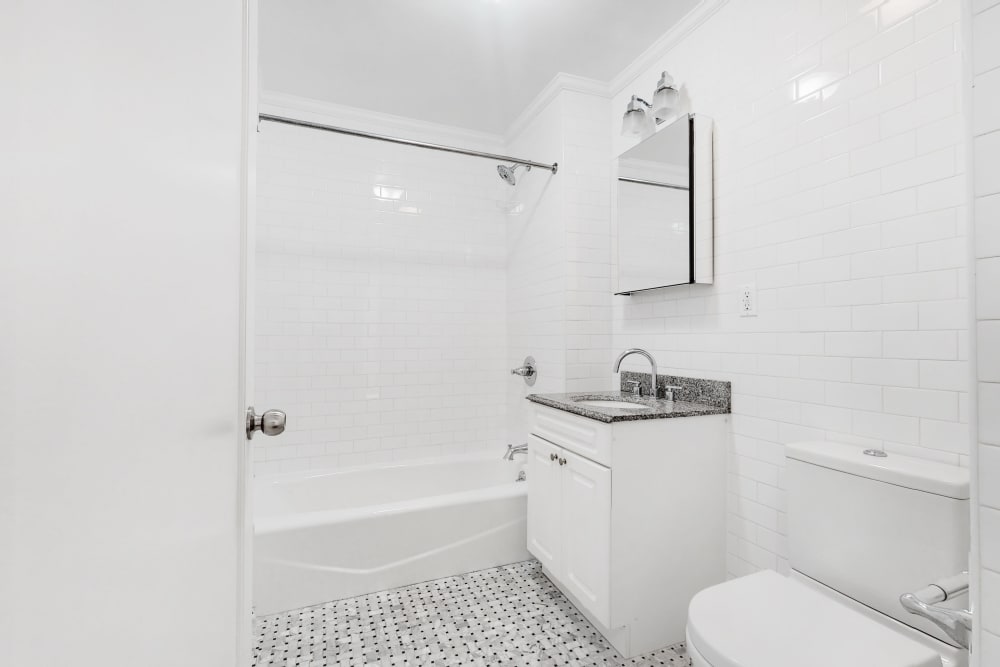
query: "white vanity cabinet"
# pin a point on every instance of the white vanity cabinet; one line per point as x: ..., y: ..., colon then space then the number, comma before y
x: 628, y: 518
x: 569, y: 527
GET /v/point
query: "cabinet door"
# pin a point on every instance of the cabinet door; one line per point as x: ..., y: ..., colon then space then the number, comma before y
x: 586, y: 529
x: 544, y: 503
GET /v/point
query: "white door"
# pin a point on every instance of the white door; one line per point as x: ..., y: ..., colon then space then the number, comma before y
x: 121, y: 513
x: 586, y: 520
x: 544, y: 503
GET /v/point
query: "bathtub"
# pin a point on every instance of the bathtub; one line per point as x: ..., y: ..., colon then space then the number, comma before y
x: 326, y: 535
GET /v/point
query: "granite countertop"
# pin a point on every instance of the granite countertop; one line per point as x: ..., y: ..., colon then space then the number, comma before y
x: 658, y: 408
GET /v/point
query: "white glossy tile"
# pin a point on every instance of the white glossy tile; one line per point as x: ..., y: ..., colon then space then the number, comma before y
x: 920, y: 54
x: 985, y: 45
x: 989, y: 416
x: 989, y: 537
x: 986, y: 156
x: 989, y: 652
x: 944, y: 435
x: 926, y: 403
x: 885, y: 43
x: 988, y: 298
x: 986, y: 102
x: 894, y: 11
x: 987, y: 216
x: 988, y: 350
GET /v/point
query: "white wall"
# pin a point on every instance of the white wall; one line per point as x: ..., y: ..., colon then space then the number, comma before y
x: 986, y: 192
x: 559, y: 261
x: 381, y: 283
x: 536, y: 269
x: 840, y: 194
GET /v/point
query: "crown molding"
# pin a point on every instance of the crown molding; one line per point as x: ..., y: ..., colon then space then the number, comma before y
x: 559, y: 83
x: 304, y: 108
x: 703, y: 11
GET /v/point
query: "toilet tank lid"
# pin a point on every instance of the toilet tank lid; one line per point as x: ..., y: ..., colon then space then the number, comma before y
x: 922, y: 475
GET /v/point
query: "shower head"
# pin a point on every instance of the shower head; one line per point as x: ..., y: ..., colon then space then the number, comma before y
x: 507, y: 173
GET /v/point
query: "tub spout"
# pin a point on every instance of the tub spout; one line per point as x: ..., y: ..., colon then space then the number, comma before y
x: 515, y: 449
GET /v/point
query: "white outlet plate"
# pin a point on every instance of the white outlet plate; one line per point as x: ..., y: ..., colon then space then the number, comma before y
x: 748, y: 300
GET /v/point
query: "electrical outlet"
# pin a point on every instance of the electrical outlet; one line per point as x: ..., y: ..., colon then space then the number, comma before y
x: 748, y: 300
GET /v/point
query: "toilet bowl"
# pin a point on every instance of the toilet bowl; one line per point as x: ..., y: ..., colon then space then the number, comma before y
x: 861, y: 532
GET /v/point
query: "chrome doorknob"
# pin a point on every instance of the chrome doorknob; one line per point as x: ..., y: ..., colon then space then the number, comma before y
x: 272, y: 422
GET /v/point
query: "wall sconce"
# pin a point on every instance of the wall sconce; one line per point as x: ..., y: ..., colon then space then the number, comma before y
x: 639, y: 114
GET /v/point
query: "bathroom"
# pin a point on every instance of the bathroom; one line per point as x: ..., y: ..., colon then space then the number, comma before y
x: 330, y: 329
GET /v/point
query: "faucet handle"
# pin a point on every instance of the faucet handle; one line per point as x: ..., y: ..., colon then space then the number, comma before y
x: 668, y: 391
x: 956, y: 623
x: 636, y: 387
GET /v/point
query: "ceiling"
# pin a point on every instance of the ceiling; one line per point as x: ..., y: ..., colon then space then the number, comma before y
x: 468, y: 63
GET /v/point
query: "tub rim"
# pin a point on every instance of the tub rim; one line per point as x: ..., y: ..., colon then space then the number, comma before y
x: 294, y: 521
x: 306, y: 473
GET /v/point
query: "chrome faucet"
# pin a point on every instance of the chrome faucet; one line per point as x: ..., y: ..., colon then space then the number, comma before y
x: 515, y: 449
x: 652, y: 363
x: 957, y: 623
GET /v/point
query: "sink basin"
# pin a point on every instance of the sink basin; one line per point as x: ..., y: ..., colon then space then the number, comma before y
x: 601, y: 403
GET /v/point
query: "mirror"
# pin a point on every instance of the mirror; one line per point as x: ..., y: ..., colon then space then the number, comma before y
x: 665, y: 208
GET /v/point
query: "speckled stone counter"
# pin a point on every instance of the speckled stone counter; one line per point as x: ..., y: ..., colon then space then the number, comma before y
x: 694, y: 398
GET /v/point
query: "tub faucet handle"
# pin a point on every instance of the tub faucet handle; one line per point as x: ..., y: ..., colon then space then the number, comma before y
x: 527, y: 371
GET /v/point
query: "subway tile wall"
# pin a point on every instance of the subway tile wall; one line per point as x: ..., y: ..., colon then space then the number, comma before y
x: 536, y: 269
x: 559, y: 261
x: 840, y: 195
x: 381, y: 301
x: 986, y: 203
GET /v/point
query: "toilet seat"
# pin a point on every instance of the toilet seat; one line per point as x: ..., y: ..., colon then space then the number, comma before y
x: 767, y: 620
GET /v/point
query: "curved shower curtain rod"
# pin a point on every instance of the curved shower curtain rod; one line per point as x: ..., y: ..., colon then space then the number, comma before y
x: 554, y: 167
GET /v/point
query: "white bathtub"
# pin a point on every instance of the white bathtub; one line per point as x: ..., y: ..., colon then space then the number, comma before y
x: 326, y: 535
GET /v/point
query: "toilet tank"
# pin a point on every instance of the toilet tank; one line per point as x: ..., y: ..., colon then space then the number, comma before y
x: 874, y: 528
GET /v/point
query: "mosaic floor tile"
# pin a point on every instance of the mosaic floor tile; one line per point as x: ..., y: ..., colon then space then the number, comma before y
x: 509, y: 615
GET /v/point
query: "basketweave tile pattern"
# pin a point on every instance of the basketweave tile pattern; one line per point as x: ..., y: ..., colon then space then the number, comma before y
x: 508, y: 615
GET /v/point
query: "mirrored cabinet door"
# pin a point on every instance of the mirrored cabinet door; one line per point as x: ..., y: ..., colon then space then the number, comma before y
x: 665, y: 208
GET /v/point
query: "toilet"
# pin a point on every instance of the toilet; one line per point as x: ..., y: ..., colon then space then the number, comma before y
x: 862, y: 530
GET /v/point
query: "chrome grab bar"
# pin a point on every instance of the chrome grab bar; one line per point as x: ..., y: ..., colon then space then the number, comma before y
x: 956, y: 623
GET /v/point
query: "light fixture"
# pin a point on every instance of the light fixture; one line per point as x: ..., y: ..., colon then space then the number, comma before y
x: 640, y: 115
x: 665, y: 98
x: 636, y: 122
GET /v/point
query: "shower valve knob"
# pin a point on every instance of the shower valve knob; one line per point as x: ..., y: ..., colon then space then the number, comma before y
x: 271, y: 422
x: 527, y: 371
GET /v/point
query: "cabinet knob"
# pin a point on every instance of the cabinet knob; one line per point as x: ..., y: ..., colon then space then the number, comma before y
x: 562, y: 462
x: 553, y: 457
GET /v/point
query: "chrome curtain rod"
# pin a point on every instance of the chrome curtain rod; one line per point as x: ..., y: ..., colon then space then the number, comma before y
x: 554, y: 167
x: 657, y: 184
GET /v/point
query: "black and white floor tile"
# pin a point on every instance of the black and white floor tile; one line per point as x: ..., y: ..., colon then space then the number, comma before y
x: 509, y: 615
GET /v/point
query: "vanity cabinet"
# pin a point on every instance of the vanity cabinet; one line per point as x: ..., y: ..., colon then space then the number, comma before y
x: 569, y: 527
x: 628, y: 518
